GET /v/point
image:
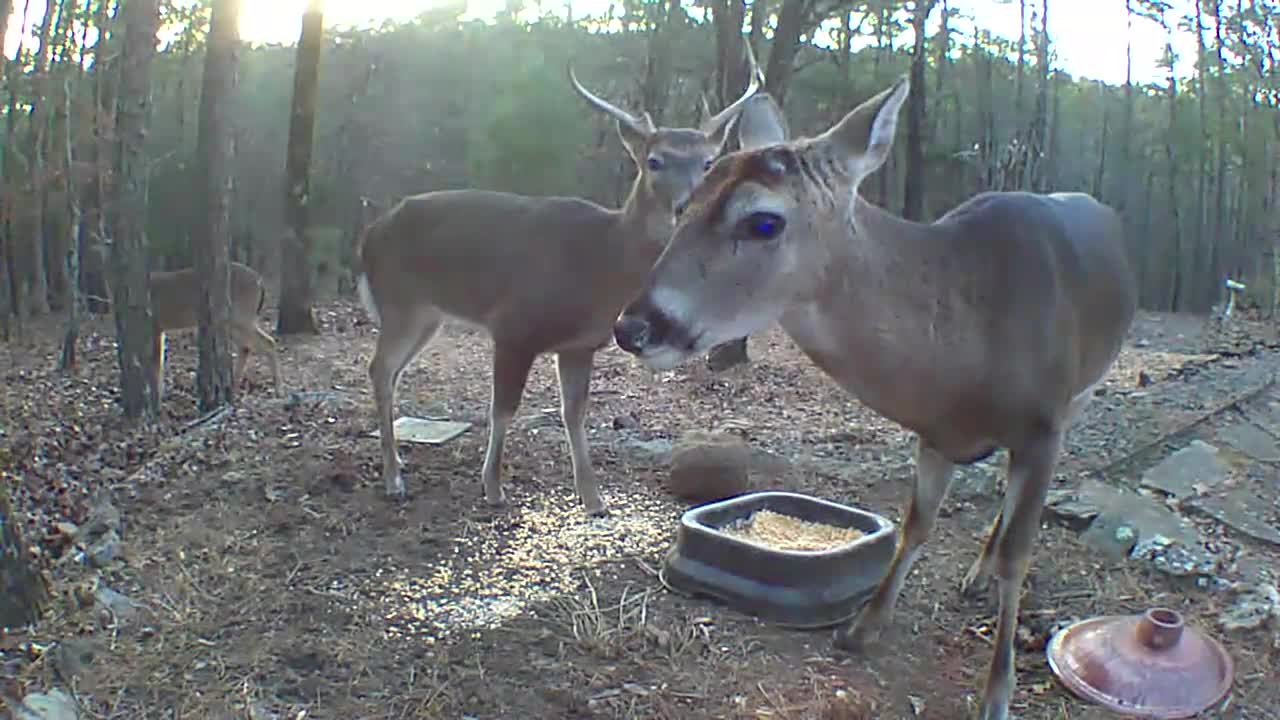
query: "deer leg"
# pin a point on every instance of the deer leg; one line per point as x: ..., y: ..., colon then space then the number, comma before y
x: 574, y: 369
x: 267, y: 346
x: 1030, y: 471
x: 253, y: 339
x: 399, y: 342
x: 242, y: 354
x: 510, y: 372
x: 979, y: 575
x: 933, y: 478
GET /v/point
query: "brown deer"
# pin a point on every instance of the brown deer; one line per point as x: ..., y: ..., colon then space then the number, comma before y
x: 988, y: 328
x: 539, y: 274
x: 175, y: 295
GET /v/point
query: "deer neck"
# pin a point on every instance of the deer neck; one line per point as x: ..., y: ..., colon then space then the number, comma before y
x: 882, y: 319
x: 645, y: 223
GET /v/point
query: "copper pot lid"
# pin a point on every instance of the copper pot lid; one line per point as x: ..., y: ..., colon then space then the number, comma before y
x: 1150, y: 665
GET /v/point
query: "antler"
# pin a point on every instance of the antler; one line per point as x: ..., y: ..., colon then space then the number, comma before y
x: 713, y: 125
x: 642, y: 125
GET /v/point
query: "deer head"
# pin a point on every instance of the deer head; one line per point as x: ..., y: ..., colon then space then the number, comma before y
x: 672, y: 161
x: 744, y: 248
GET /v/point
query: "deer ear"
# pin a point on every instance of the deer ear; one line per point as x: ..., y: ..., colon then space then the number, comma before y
x: 761, y: 123
x: 865, y: 135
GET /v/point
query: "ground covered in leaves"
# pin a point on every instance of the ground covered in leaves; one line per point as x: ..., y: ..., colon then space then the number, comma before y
x: 265, y: 575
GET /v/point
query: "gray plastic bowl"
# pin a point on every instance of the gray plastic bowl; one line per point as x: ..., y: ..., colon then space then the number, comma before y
x: 790, y: 588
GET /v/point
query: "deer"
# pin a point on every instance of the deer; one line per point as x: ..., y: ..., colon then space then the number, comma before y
x: 539, y: 274
x: 175, y: 298
x: 988, y: 328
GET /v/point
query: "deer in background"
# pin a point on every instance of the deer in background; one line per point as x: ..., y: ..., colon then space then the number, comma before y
x: 988, y: 328
x: 539, y: 274
x: 174, y: 298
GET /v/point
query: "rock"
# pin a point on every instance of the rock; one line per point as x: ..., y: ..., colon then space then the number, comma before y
x: 117, y: 604
x: 1150, y: 530
x: 1252, y: 441
x: 979, y: 480
x: 1255, y: 605
x: 71, y: 657
x: 625, y: 422
x: 1240, y: 510
x: 103, y: 517
x: 656, y: 451
x: 1110, y: 535
x: 1187, y: 472
x: 103, y: 550
x: 709, y: 466
x: 54, y: 705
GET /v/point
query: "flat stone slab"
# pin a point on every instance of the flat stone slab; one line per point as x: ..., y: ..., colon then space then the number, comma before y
x: 1242, y: 510
x: 428, y: 431
x: 1252, y: 441
x: 1134, y: 525
x: 1188, y: 472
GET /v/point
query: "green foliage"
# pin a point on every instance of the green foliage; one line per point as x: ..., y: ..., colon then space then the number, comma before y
x: 530, y: 143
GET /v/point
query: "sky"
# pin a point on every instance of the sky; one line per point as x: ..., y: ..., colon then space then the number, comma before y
x: 1089, y: 38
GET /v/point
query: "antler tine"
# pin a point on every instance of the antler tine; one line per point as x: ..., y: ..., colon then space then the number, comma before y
x: 713, y: 124
x: 706, y: 106
x: 643, y: 126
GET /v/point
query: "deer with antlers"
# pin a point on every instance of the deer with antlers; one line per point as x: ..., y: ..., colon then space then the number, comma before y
x: 988, y: 328
x: 539, y: 274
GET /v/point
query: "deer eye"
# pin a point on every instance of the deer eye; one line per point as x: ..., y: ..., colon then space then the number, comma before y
x: 655, y: 162
x: 707, y: 165
x: 765, y: 225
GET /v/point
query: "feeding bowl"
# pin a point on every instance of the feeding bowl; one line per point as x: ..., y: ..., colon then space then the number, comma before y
x: 791, y: 588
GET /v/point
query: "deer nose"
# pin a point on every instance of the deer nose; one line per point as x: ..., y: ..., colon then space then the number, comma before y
x: 632, y: 333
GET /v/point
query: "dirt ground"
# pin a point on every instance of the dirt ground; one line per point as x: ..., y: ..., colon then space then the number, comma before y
x: 274, y: 580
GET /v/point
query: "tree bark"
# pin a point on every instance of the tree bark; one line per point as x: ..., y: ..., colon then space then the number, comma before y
x: 94, y: 267
x: 914, y: 182
x: 214, y: 383
x: 135, y: 330
x: 24, y: 591
x: 1036, y: 179
x: 786, y: 42
x: 296, y: 312
x: 67, y: 363
x: 36, y: 301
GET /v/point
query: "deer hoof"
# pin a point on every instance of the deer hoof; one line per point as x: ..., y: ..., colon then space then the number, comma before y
x: 395, y: 487
x: 975, y: 583
x: 855, y: 637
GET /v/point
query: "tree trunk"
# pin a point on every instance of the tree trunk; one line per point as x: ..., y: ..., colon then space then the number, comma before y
x: 214, y: 382
x: 24, y: 592
x: 6, y: 10
x: 36, y: 299
x: 135, y: 330
x: 55, y: 222
x: 296, y: 312
x: 1207, y: 289
x: 786, y: 42
x: 729, y: 15
x: 1220, y: 173
x: 67, y: 363
x: 1036, y: 179
x: 96, y: 271
x: 914, y: 183
x: 1171, y: 155
x: 1018, y: 83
